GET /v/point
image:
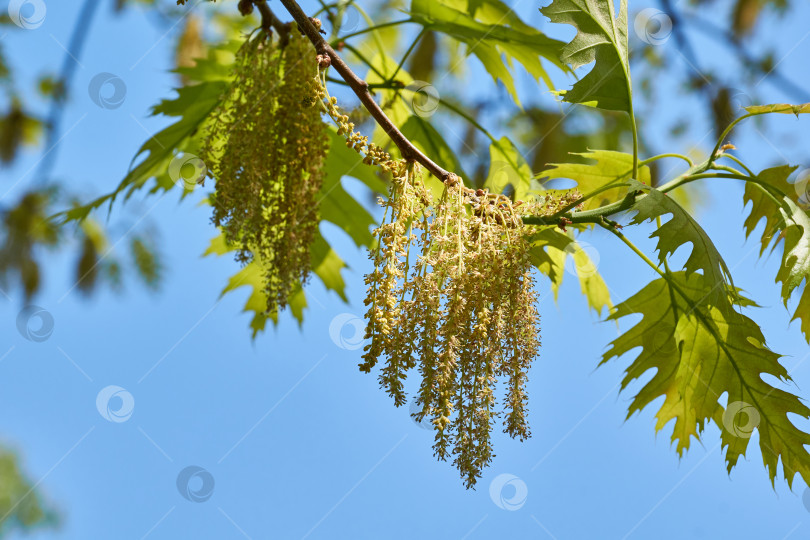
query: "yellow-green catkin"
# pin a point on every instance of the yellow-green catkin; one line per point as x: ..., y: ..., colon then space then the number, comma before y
x: 266, y: 149
x: 452, y: 296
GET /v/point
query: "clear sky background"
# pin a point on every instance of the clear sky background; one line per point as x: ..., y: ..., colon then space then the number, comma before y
x: 298, y: 442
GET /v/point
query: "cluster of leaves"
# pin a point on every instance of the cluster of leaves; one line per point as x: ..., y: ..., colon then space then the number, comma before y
x: 28, y: 231
x: 693, y: 331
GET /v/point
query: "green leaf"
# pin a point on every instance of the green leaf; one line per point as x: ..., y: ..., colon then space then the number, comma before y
x: 335, y: 204
x: 681, y: 229
x: 784, y: 221
x: 546, y: 244
x: 550, y: 250
x: 779, y: 108
x: 491, y: 30
x: 591, y: 283
x: 508, y: 168
x: 192, y: 106
x: 147, y: 262
x: 21, y: 503
x: 326, y: 265
x: 609, y: 171
x: 600, y: 38
x: 701, y: 352
x: 428, y: 140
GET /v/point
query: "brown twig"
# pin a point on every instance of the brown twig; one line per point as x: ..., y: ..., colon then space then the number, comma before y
x: 269, y: 20
x: 360, y: 87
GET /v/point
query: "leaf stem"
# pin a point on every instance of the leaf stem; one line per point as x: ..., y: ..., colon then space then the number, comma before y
x: 633, y: 247
x: 662, y: 156
x: 634, y: 129
x: 372, y: 29
x: 407, y: 54
x: 739, y: 162
x: 713, y: 156
x: 365, y: 61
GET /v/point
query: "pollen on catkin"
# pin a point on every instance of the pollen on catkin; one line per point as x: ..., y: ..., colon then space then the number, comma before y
x: 452, y: 293
x: 452, y: 296
x: 266, y: 149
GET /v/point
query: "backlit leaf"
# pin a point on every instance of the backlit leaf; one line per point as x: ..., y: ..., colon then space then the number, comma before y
x: 602, y: 38
x: 785, y: 221
x: 491, y: 31
x: 701, y: 352
x: 608, y: 171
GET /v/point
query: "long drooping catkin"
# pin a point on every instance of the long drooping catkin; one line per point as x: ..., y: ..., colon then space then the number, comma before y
x: 266, y: 149
x: 451, y: 294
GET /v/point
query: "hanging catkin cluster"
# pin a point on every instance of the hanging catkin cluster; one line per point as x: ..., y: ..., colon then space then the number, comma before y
x: 451, y: 294
x: 266, y: 148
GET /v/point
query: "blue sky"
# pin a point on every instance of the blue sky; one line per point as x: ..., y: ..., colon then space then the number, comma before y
x: 297, y: 441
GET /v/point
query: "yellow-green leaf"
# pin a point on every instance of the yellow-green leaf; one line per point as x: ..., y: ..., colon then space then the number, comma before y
x: 701, y: 352
x: 491, y: 30
x: 608, y: 172
x: 785, y: 220
x: 779, y: 108
x: 601, y: 38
